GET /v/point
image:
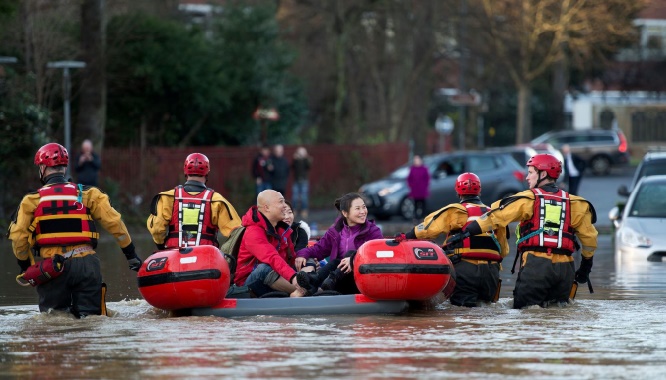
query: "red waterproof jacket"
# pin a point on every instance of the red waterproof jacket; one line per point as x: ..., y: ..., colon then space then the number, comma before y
x: 263, y: 243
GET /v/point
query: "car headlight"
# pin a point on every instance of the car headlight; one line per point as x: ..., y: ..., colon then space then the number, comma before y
x: 390, y: 189
x: 634, y: 239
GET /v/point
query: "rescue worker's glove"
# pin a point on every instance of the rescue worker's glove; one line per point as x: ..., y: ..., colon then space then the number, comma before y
x: 583, y: 272
x: 24, y: 264
x: 133, y: 260
x: 454, y: 240
x: 399, y: 237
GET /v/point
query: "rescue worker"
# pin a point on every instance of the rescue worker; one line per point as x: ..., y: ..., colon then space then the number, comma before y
x: 191, y: 214
x: 58, y: 222
x: 550, y: 220
x: 476, y: 258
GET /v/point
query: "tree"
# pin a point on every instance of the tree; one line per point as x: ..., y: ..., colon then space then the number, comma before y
x: 369, y: 64
x: 174, y: 84
x: 528, y: 37
x: 92, y: 102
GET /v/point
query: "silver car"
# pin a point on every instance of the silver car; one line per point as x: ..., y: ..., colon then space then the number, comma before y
x: 640, y: 227
x: 500, y: 176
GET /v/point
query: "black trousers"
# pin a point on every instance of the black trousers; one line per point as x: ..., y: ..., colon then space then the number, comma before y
x: 346, y: 283
x: 474, y: 283
x: 540, y: 282
x: 78, y: 290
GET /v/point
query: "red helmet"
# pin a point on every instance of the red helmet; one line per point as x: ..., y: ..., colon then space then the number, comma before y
x: 196, y: 164
x: 547, y: 162
x: 468, y: 184
x: 52, y: 154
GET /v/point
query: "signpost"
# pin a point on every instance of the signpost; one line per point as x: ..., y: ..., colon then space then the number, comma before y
x: 67, y: 90
x: 444, y: 126
x: 263, y: 115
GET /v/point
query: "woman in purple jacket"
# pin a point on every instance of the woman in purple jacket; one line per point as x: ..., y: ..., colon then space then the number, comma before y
x: 418, y: 181
x: 350, y: 230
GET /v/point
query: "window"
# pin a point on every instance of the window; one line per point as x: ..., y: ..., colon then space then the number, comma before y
x: 481, y: 164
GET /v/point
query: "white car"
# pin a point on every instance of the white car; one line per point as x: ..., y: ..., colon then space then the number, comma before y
x: 641, y: 224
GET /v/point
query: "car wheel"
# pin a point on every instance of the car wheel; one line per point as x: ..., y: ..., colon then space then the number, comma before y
x: 407, y: 210
x: 600, y: 165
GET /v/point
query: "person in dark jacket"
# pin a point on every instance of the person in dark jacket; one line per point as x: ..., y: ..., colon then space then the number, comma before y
x: 343, y: 238
x: 280, y: 174
x: 300, y: 189
x: 88, y: 164
x: 300, y: 230
x: 262, y: 170
x: 574, y: 167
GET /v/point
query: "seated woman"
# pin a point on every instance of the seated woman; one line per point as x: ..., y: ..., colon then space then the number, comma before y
x: 340, y: 242
x: 301, y: 233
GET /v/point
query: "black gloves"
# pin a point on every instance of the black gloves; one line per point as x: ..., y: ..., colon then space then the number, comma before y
x: 24, y: 264
x: 583, y: 272
x: 133, y: 260
x: 453, y: 240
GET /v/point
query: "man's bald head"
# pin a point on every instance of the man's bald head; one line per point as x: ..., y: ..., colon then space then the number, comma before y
x: 271, y: 204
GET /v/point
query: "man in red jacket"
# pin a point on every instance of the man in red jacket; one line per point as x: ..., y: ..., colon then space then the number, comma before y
x: 266, y: 255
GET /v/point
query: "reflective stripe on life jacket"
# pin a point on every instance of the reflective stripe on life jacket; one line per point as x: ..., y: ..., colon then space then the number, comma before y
x: 479, y: 247
x: 190, y: 223
x: 61, y: 218
x: 549, y: 229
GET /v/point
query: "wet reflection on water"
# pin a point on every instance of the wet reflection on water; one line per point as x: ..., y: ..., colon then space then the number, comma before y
x: 614, y: 333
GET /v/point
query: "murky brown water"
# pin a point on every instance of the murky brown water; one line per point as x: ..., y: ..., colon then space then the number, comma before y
x: 616, y: 333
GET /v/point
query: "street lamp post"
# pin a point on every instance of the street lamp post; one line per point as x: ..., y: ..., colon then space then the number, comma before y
x: 66, y: 85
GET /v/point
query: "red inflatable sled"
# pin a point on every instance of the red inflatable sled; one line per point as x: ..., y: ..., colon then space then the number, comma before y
x: 183, y: 278
x: 412, y: 270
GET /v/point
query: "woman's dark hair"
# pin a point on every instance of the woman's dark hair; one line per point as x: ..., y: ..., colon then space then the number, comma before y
x: 344, y: 202
x: 289, y: 204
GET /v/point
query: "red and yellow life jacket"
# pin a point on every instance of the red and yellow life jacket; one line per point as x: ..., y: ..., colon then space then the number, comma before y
x: 190, y: 223
x: 549, y: 230
x: 479, y: 247
x: 61, y: 218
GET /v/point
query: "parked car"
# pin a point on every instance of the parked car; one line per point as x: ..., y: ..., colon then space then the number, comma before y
x: 653, y: 163
x: 500, y: 176
x: 520, y: 153
x: 640, y: 226
x: 523, y: 152
x: 601, y: 148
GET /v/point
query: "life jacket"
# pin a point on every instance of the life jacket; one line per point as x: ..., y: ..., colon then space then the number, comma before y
x: 549, y: 229
x: 61, y: 218
x: 190, y: 223
x: 478, y: 247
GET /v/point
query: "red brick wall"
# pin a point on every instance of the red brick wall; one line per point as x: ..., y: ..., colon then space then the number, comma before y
x: 337, y: 169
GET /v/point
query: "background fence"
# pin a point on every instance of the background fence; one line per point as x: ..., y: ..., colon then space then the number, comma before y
x: 132, y: 176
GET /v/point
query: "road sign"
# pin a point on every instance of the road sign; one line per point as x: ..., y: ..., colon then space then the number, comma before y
x: 444, y: 125
x: 266, y: 114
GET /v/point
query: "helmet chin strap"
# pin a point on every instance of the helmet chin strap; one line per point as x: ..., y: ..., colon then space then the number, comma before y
x: 538, y: 184
x: 41, y: 174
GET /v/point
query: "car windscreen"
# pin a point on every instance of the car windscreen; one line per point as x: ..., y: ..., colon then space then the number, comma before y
x: 650, y: 201
x: 656, y: 167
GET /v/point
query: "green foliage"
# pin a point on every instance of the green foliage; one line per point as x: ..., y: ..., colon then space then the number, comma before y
x: 187, y: 86
x: 23, y: 128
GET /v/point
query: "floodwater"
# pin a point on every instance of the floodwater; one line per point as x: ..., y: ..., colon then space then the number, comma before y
x: 616, y: 333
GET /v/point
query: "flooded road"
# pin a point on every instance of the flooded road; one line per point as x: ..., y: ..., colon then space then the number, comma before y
x: 616, y: 333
